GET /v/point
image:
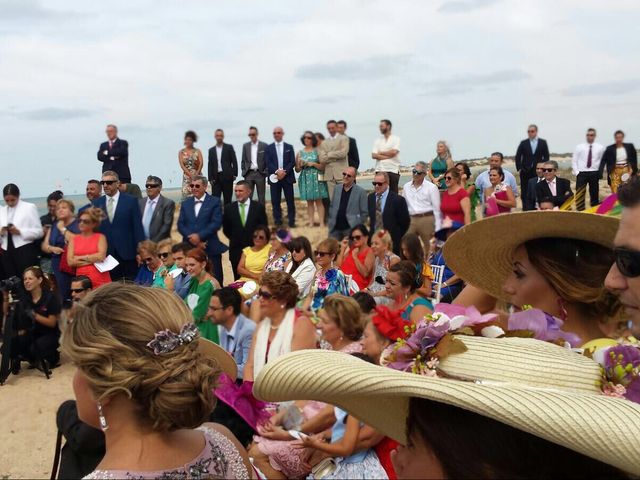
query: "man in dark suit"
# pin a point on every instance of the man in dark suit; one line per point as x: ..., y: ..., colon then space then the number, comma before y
x: 122, y: 226
x: 156, y: 211
x: 253, y: 166
x: 281, y: 160
x: 628, y: 165
x: 529, y: 202
x: 114, y: 155
x: 239, y: 221
x: 388, y: 210
x: 353, y: 156
x: 223, y: 167
x: 348, y: 206
x: 199, y: 221
x: 531, y: 151
x: 553, y: 187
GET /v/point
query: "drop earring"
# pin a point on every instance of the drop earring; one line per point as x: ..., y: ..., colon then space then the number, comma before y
x: 103, y: 420
x: 563, y: 310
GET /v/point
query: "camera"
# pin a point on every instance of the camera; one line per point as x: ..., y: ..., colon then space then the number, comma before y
x: 11, y: 284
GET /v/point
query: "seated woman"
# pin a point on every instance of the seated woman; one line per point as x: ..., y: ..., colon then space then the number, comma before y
x: 279, y: 256
x: 499, y: 197
x: 201, y: 287
x: 301, y: 267
x: 89, y: 247
x: 451, y: 285
x: 166, y: 257
x: 382, y: 248
x: 328, y: 280
x: 412, y: 250
x: 254, y: 258
x: 356, y: 258
x: 401, y: 289
x: 152, y: 270
x: 146, y: 379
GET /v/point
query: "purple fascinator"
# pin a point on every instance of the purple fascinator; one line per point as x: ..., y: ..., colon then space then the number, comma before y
x: 543, y: 326
x: 241, y: 399
x: 166, y: 341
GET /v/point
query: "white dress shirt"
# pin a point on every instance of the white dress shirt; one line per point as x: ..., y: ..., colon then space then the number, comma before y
x: 383, y: 144
x: 552, y: 187
x: 219, y: 153
x: 621, y: 156
x: 254, y: 155
x: 423, y: 199
x: 151, y: 203
x: 581, y: 157
x: 280, y: 155
x: 198, y: 204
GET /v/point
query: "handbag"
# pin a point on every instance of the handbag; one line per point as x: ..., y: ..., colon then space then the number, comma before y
x: 321, y: 177
x: 64, y: 264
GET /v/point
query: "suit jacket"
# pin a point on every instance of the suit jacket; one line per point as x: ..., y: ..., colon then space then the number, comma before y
x: 529, y: 203
x: 239, y: 235
x: 563, y: 191
x: 125, y: 232
x: 354, y: 156
x: 26, y: 219
x: 609, y: 159
x: 357, y: 209
x: 229, y: 164
x: 206, y: 224
x: 526, y: 159
x: 116, y: 158
x: 243, y: 336
x: 395, y: 217
x: 245, y: 164
x: 333, y: 154
x: 162, y: 218
x: 288, y: 161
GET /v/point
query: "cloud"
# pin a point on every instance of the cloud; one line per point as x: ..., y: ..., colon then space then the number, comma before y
x: 460, y: 6
x: 330, y: 99
x: 52, y: 113
x: 24, y: 10
x: 367, y: 68
x: 603, y: 88
x: 484, y: 81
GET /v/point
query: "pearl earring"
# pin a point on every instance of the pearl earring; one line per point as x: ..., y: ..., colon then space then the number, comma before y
x: 282, y: 305
x: 103, y: 421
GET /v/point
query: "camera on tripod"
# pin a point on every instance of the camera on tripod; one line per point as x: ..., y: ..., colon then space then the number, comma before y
x: 12, y: 285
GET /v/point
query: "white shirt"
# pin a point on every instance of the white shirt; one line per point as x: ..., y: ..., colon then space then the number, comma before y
x: 254, y: 155
x: 304, y: 276
x: 383, y: 144
x: 621, y: 156
x: 581, y: 157
x: 116, y: 197
x: 219, y: 153
x: 198, y: 204
x: 280, y: 154
x: 423, y: 199
x: 552, y: 187
x: 151, y: 203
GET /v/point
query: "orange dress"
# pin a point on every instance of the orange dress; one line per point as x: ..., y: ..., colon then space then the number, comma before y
x: 89, y: 246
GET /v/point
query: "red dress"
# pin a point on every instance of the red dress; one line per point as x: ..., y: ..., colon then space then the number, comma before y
x: 89, y: 246
x: 349, y: 267
x: 450, y: 205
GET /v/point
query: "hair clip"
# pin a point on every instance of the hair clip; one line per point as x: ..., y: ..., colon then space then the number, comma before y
x: 166, y: 341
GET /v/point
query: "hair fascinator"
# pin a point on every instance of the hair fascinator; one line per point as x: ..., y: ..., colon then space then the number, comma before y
x: 166, y: 341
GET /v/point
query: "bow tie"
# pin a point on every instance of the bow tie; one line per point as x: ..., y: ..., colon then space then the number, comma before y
x: 199, y: 201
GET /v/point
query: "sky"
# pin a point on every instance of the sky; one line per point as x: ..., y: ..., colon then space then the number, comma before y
x: 472, y: 72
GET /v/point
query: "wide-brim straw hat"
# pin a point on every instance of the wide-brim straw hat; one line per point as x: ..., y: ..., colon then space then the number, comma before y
x: 482, y: 253
x: 225, y: 360
x: 534, y: 386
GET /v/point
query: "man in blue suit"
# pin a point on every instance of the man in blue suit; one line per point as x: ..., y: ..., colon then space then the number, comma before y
x: 281, y: 160
x: 122, y: 226
x: 199, y: 221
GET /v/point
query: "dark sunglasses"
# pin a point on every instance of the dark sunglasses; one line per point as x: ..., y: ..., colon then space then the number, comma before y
x: 107, y: 182
x: 627, y: 261
x: 531, y: 131
x: 448, y: 178
x: 85, y: 221
x: 265, y: 295
x: 252, y: 134
x: 151, y: 185
x: 164, y: 255
x: 195, y: 185
x: 319, y: 253
x: 308, y: 138
x: 345, y: 174
x: 591, y: 134
x: 258, y: 236
x: 548, y: 170
x: 416, y: 172
x: 78, y: 290
x: 355, y: 237
x: 378, y: 184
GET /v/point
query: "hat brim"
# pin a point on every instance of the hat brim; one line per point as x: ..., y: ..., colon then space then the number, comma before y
x: 601, y: 427
x: 211, y: 350
x: 482, y: 253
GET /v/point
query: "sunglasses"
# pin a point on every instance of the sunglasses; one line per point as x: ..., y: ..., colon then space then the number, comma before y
x: 319, y: 253
x: 417, y: 172
x: 591, y: 134
x: 252, y: 134
x: 627, y: 261
x: 378, y: 184
x: 265, y: 295
x: 259, y: 237
x: 107, y: 182
x: 355, y: 237
x: 345, y: 174
x: 308, y: 138
x: 151, y: 185
x: 85, y: 221
x: 78, y: 290
x: 531, y: 131
x: 548, y: 170
x: 195, y: 185
x: 164, y: 255
x: 278, y: 133
x: 448, y: 178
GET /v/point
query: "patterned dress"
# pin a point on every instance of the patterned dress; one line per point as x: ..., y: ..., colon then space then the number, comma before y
x: 310, y: 187
x: 275, y: 263
x: 327, y: 283
x: 190, y: 162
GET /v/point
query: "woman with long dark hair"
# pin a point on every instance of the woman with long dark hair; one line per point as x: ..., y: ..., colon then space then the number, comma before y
x: 301, y: 267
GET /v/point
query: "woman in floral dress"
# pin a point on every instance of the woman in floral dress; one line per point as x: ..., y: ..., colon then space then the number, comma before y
x: 311, y: 188
x: 190, y: 161
x: 329, y: 279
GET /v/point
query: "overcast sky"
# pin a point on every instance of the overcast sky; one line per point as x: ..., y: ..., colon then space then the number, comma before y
x: 473, y: 72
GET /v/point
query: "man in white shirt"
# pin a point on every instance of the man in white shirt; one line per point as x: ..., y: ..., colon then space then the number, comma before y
x: 385, y: 152
x: 585, y: 165
x: 483, y: 182
x: 423, y: 201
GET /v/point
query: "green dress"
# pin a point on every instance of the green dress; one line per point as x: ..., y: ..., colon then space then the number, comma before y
x: 439, y: 167
x: 310, y: 187
x: 197, y: 300
x: 475, y: 199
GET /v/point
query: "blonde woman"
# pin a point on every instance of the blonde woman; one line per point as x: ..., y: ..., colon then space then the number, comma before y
x: 89, y: 247
x: 382, y: 247
x: 146, y: 379
x: 440, y: 164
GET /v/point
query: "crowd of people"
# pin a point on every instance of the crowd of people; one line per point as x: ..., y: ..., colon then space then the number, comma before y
x: 159, y: 338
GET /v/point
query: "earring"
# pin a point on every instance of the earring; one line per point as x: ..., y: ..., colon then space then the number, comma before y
x: 563, y: 310
x: 103, y: 421
x: 282, y: 305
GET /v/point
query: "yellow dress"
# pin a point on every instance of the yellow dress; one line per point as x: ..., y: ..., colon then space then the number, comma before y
x: 255, y: 261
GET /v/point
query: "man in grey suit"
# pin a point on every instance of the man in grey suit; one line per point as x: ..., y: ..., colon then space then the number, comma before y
x: 348, y: 206
x: 334, y: 153
x: 156, y: 211
x: 253, y: 166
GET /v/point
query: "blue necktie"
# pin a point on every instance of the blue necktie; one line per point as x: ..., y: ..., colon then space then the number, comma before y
x: 146, y: 221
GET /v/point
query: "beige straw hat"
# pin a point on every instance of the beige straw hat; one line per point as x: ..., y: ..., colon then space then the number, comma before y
x: 534, y: 386
x: 482, y: 253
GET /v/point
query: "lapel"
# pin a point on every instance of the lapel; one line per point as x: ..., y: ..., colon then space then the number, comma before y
x: 156, y: 211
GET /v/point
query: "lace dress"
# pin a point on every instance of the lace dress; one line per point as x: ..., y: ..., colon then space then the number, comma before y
x: 219, y: 459
x: 381, y: 268
x: 190, y: 162
x: 310, y: 187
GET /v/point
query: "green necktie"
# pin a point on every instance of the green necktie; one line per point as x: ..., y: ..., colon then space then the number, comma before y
x: 110, y: 209
x: 242, y: 214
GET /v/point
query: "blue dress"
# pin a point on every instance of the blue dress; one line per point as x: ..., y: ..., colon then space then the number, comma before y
x: 418, y: 301
x: 56, y: 239
x: 310, y: 187
x: 333, y: 281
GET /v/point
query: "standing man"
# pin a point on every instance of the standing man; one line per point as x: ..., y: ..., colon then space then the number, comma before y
x: 553, y: 187
x: 388, y: 210
x: 223, y: 167
x: 354, y: 156
x: 585, y: 165
x: 348, y: 206
x: 531, y: 151
x: 157, y: 211
x: 385, y: 153
x: 114, y: 155
x: 281, y: 160
x: 199, y: 221
x: 254, y: 168
x: 621, y: 162
x: 482, y: 181
x: 333, y: 154
x: 93, y: 192
x: 531, y: 201
x: 239, y: 221
x: 122, y: 226
x: 423, y: 202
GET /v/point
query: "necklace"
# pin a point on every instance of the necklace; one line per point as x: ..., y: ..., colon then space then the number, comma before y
x: 274, y: 328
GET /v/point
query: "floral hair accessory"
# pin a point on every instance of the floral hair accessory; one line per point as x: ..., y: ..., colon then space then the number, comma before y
x: 390, y: 323
x: 620, y: 370
x: 166, y: 341
x: 541, y: 326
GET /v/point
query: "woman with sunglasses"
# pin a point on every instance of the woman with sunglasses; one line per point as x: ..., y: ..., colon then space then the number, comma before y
x: 202, y: 285
x: 455, y: 202
x: 89, y: 247
x: 312, y: 189
x: 440, y: 165
x: 328, y: 279
x: 469, y: 186
x: 382, y: 248
x: 151, y: 271
x: 498, y: 197
x: 279, y: 256
x: 279, y: 332
x: 254, y: 258
x: 301, y: 267
x: 190, y: 161
x: 356, y: 259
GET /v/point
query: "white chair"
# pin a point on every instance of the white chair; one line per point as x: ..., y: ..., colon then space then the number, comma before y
x: 353, y: 286
x: 438, y: 272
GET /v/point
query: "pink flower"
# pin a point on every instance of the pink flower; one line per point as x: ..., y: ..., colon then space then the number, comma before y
x: 463, y: 316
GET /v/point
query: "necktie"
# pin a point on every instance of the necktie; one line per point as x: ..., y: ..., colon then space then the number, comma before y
x: 195, y: 206
x: 110, y: 144
x: 279, y: 149
x: 379, y: 212
x: 110, y: 209
x: 589, y: 157
x: 230, y: 344
x: 146, y: 221
x: 242, y: 214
